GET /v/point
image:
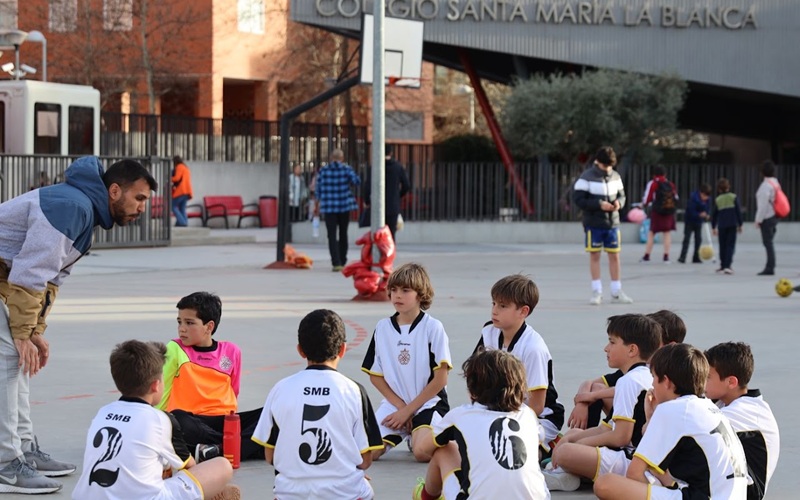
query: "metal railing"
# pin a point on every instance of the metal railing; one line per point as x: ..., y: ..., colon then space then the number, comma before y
x: 481, y: 191
x: 19, y: 174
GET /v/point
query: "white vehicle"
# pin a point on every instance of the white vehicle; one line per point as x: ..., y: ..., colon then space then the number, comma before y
x: 49, y: 118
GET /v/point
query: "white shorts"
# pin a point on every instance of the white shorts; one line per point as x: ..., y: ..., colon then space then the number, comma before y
x: 663, y: 493
x: 611, y: 462
x: 395, y: 436
x: 451, y: 487
x: 550, y: 430
x: 183, y: 486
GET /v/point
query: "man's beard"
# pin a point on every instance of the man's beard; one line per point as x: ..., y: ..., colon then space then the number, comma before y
x: 118, y: 214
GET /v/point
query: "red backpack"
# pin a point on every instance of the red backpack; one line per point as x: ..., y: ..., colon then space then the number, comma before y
x: 781, y: 203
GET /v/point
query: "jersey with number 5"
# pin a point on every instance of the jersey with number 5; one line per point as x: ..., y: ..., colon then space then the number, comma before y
x: 319, y: 422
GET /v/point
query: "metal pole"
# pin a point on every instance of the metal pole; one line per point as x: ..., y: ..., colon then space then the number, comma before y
x: 44, y: 59
x: 16, y: 62
x: 377, y: 203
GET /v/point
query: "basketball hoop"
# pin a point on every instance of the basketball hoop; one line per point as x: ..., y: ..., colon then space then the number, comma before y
x: 404, y: 82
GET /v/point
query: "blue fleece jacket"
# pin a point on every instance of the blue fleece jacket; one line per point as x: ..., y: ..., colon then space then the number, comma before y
x: 696, y: 206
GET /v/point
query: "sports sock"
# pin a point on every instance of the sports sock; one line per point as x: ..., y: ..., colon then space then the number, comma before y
x: 427, y: 496
x: 616, y: 286
x: 666, y: 257
x: 597, y: 286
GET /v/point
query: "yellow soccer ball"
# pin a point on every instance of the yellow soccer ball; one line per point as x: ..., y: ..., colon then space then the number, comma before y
x: 706, y: 252
x: 784, y: 287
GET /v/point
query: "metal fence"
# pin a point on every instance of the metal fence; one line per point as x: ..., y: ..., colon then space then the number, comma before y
x: 482, y: 191
x: 226, y: 140
x: 19, y: 174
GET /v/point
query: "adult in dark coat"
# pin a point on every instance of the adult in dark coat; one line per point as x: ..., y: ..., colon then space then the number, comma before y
x: 397, y: 185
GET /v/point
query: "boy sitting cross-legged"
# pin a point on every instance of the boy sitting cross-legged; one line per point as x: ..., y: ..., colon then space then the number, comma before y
x: 632, y: 339
x: 730, y: 369
x: 486, y: 448
x: 513, y: 299
x: 317, y: 427
x: 130, y: 443
x: 688, y: 449
x: 408, y: 361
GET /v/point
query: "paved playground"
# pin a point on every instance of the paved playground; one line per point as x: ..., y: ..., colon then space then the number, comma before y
x: 116, y: 295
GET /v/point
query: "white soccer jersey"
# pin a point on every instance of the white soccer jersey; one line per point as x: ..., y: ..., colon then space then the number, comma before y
x: 319, y: 422
x: 530, y: 348
x: 406, y: 356
x: 691, y: 438
x: 629, y: 397
x: 752, y: 419
x: 499, y: 452
x: 128, y: 446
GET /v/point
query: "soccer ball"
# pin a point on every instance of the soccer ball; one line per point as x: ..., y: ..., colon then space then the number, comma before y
x: 783, y: 287
x: 636, y: 215
x: 706, y: 252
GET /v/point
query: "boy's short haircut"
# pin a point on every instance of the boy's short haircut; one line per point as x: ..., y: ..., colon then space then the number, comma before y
x: 732, y: 359
x: 723, y: 185
x: 672, y: 326
x: 206, y: 305
x: 496, y: 379
x: 606, y: 156
x: 768, y: 169
x: 135, y: 365
x: 685, y: 365
x: 705, y: 188
x: 321, y: 335
x: 516, y: 288
x: 415, y: 277
x: 659, y: 170
x: 637, y: 329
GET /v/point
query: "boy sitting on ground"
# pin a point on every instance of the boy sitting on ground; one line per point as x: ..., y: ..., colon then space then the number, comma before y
x: 201, y: 379
x: 632, y: 339
x: 129, y: 442
x: 596, y: 396
x: 318, y: 427
x: 513, y: 299
x: 689, y: 449
x: 730, y: 369
x: 486, y: 448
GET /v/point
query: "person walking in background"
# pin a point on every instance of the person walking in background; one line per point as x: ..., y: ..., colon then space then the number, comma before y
x: 298, y: 192
x: 697, y: 213
x: 397, y: 185
x: 599, y: 193
x: 766, y: 220
x: 335, y: 201
x: 181, y: 190
x: 661, y: 197
x: 726, y: 219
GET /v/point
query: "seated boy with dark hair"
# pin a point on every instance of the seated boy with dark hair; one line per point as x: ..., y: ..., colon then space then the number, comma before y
x: 486, y: 448
x: 607, y: 448
x: 201, y: 379
x: 595, y: 397
x: 689, y: 449
x: 318, y: 427
x: 513, y: 299
x: 129, y: 442
x: 731, y: 366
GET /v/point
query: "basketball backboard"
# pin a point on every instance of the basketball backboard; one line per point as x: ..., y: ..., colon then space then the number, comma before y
x: 402, y: 62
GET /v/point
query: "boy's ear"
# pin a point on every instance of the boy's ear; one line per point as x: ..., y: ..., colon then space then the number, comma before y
x: 210, y: 326
x: 300, y: 352
x: 154, y: 386
x: 732, y: 382
x: 525, y: 310
x: 342, y: 350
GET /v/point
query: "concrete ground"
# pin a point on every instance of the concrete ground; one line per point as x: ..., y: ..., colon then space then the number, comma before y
x: 116, y: 295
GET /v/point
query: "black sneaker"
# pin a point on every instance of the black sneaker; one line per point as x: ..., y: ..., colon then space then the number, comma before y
x: 203, y: 452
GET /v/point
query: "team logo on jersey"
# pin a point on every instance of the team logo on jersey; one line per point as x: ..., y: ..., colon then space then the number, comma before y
x: 225, y: 363
x: 404, y: 357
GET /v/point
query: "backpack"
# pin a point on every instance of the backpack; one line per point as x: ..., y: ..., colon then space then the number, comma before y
x: 781, y: 203
x: 664, y: 202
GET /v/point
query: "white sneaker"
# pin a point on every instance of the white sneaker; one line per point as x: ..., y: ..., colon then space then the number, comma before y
x: 560, y: 480
x: 621, y: 298
x: 597, y: 298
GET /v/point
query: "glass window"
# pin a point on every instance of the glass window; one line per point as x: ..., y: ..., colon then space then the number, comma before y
x: 63, y: 15
x: 117, y: 15
x: 81, y: 130
x: 8, y: 14
x: 46, y: 128
x: 251, y: 16
x: 403, y: 125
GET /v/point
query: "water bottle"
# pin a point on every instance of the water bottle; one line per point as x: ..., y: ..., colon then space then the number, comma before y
x: 232, y: 439
x: 315, y: 226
